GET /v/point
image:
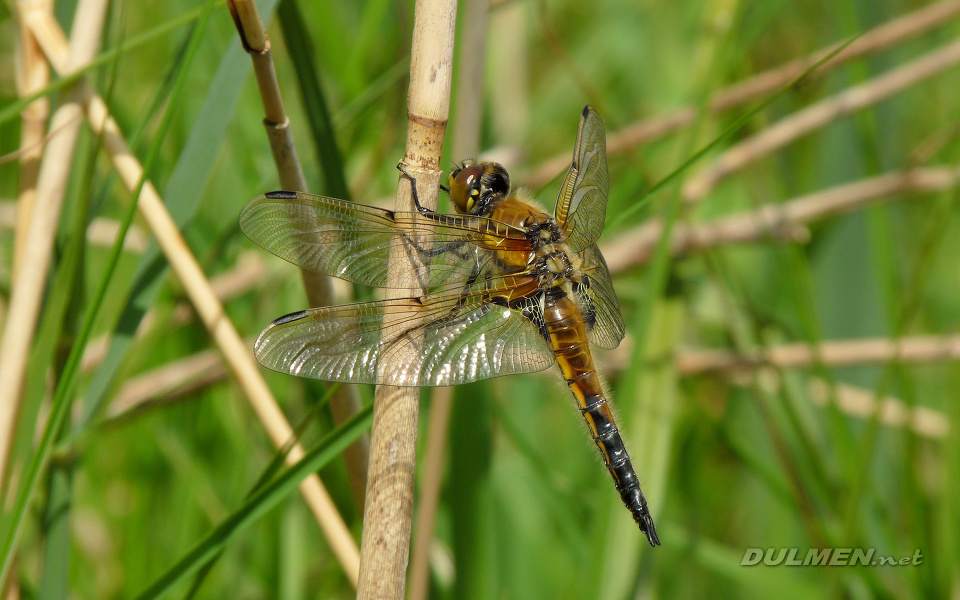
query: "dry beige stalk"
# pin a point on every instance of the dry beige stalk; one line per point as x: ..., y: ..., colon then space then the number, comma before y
x: 248, y: 272
x: 33, y: 74
x: 862, y: 403
x: 465, y: 142
x: 818, y: 115
x: 28, y: 287
x: 345, y: 401
x: 388, y: 510
x: 101, y: 232
x: 762, y: 84
x: 786, y: 221
x: 915, y: 349
x: 438, y: 424
x: 239, y: 359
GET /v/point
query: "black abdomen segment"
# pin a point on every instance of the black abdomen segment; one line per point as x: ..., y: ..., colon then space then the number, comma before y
x: 607, y: 438
x: 568, y: 339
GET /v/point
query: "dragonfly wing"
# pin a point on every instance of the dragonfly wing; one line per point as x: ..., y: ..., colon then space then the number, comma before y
x: 599, y: 301
x: 441, y: 341
x: 354, y: 242
x: 582, y: 203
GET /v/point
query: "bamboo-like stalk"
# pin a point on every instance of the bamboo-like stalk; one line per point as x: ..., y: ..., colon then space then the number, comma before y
x: 239, y: 359
x: 438, y: 425
x: 248, y: 272
x: 176, y: 378
x: 762, y: 84
x: 345, y: 401
x: 818, y: 115
x: 465, y: 142
x: 786, y: 221
x: 858, y: 402
x: 388, y: 511
x: 840, y: 353
x: 101, y: 232
x: 28, y: 287
x: 33, y: 74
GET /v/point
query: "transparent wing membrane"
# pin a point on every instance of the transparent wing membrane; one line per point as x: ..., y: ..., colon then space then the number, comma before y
x: 599, y: 301
x: 441, y: 341
x: 582, y: 203
x: 354, y: 241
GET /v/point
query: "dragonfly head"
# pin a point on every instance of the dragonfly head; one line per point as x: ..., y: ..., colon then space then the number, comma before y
x: 475, y: 186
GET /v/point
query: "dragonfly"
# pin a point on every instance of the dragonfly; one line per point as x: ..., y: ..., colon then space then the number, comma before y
x: 506, y: 288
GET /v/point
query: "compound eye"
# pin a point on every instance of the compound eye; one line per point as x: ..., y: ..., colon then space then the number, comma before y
x: 465, y: 187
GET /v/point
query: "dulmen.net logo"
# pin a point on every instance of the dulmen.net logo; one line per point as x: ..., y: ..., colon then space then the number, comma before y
x: 826, y: 557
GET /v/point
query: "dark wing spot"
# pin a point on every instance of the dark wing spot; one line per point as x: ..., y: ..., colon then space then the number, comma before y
x: 281, y: 195
x: 294, y: 316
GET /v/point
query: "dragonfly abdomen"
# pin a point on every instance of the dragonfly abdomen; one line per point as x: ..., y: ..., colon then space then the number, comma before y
x: 568, y: 339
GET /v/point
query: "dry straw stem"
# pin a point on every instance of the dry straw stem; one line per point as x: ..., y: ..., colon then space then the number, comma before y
x: 239, y: 359
x: 345, y: 401
x: 785, y: 221
x: 169, y: 382
x: 438, y: 426
x: 33, y: 74
x: 102, y: 232
x: 820, y: 114
x: 166, y: 383
x: 468, y: 114
x: 28, y: 287
x: 850, y: 399
x: 859, y: 402
x: 388, y: 510
x: 760, y: 85
x: 248, y: 273
x: 914, y: 349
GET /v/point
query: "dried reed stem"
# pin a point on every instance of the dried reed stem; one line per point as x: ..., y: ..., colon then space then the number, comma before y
x: 914, y: 349
x: 818, y: 115
x: 465, y: 142
x: 101, y: 232
x: 33, y: 74
x: 28, y: 287
x: 167, y: 382
x: 879, y: 38
x: 388, y: 510
x: 239, y: 359
x: 438, y: 426
x: 345, y: 401
x: 786, y: 221
x: 892, y: 412
x: 248, y: 272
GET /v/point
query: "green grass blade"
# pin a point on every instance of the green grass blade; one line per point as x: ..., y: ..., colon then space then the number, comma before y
x: 262, y: 501
x: 13, y: 110
x: 737, y: 125
x: 182, y: 194
x: 314, y: 101
x: 68, y: 381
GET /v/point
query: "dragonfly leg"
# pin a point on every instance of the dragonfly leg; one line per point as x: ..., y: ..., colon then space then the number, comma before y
x: 413, y: 185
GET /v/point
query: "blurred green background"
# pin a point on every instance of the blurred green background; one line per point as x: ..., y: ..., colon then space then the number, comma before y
x: 729, y: 460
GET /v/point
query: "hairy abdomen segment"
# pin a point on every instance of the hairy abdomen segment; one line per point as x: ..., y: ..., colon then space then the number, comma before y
x: 568, y: 339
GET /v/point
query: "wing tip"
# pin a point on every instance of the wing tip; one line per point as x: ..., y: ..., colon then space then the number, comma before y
x: 586, y: 111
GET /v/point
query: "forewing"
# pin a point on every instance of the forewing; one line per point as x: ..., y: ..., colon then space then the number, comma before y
x: 354, y: 242
x: 582, y: 203
x: 599, y: 301
x: 444, y: 341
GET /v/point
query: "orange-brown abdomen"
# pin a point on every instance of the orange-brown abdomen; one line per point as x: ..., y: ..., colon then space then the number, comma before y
x: 568, y: 339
